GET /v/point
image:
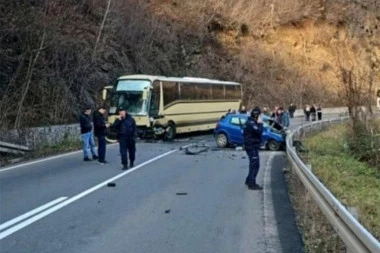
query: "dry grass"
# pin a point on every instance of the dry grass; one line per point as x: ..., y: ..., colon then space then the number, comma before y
x: 354, y: 183
x: 317, y: 233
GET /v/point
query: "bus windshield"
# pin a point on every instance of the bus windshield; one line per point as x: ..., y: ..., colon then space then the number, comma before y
x: 129, y: 95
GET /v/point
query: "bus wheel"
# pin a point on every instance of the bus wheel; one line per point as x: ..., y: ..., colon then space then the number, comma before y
x: 170, y: 132
x: 221, y: 140
x: 110, y: 140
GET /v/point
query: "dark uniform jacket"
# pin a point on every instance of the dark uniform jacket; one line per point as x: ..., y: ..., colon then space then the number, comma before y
x: 252, y: 134
x: 85, y: 124
x: 126, y: 127
x: 100, y: 128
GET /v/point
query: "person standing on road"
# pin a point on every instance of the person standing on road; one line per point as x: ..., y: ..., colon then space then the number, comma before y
x: 126, y: 134
x: 307, y: 112
x: 319, y: 112
x: 86, y: 134
x: 100, y: 131
x: 313, y: 112
x: 253, y: 130
x: 243, y: 110
x: 292, y: 109
x: 285, y: 121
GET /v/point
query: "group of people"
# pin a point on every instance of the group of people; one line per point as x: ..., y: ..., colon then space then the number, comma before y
x: 95, y: 124
x: 313, y: 112
x: 253, y: 130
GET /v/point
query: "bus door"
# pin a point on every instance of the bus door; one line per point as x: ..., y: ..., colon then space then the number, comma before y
x: 154, y: 106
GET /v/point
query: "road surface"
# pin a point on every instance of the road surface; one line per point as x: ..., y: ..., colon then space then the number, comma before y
x: 170, y: 202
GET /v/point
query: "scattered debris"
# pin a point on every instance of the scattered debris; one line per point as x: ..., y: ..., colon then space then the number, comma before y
x: 181, y: 193
x: 285, y: 170
x: 299, y: 146
x: 195, y: 150
x: 167, y: 211
x: 111, y: 184
x: 239, y: 148
x: 243, y: 157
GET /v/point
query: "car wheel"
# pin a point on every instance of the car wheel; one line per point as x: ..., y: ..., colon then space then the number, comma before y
x: 221, y: 140
x: 170, y: 132
x: 273, y: 145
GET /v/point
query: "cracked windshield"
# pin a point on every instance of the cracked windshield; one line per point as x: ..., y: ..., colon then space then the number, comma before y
x: 129, y: 95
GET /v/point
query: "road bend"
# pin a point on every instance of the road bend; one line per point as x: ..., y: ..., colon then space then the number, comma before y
x: 170, y: 202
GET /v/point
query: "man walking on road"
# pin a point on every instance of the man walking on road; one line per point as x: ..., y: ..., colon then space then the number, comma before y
x: 86, y: 133
x: 126, y: 134
x: 253, y: 130
x: 100, y: 131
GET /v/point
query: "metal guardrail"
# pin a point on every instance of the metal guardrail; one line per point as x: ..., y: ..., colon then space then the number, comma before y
x: 13, y: 148
x: 353, y: 234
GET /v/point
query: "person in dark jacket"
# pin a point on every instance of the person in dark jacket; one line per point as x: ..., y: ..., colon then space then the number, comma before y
x: 253, y: 130
x: 243, y: 110
x: 313, y: 112
x: 87, y: 135
x: 100, y: 131
x: 126, y: 134
x: 319, y: 112
x: 292, y: 109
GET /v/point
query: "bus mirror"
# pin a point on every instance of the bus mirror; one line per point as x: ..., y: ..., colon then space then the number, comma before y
x: 145, y: 95
x: 104, y: 94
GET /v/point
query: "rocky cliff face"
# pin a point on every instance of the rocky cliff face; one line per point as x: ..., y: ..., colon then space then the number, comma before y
x: 57, y: 55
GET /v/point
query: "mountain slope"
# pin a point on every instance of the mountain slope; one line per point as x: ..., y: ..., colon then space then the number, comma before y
x: 57, y: 56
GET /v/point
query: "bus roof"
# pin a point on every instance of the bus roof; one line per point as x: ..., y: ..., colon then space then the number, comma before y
x: 177, y: 79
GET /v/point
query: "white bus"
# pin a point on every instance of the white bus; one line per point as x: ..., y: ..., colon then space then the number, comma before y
x: 165, y: 106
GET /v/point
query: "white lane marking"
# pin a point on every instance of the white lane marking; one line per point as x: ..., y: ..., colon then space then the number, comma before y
x: 42, y: 160
x: 76, y: 197
x: 31, y: 213
x: 272, y: 239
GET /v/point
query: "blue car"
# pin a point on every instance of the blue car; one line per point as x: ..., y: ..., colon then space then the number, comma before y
x: 229, y: 132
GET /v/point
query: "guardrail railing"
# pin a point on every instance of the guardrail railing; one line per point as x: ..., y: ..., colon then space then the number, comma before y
x: 356, y: 238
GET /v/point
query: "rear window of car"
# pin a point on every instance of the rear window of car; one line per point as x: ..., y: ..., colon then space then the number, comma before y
x: 237, y: 121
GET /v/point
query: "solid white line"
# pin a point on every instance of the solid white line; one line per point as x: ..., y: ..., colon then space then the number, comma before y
x: 31, y: 213
x: 42, y: 160
x: 77, y: 197
x: 272, y: 240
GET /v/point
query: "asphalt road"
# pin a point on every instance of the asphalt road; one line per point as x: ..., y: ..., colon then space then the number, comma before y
x: 170, y: 202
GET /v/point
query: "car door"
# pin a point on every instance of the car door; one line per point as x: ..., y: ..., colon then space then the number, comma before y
x: 236, y: 129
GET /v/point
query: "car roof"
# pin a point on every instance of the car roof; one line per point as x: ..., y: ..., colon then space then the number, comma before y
x: 241, y: 115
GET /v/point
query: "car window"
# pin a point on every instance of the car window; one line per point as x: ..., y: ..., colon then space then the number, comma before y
x: 237, y: 121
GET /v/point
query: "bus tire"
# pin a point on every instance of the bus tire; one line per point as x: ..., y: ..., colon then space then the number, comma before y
x: 109, y: 140
x: 170, y: 132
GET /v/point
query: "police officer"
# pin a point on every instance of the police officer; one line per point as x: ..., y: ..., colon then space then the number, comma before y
x: 126, y: 134
x: 253, y: 130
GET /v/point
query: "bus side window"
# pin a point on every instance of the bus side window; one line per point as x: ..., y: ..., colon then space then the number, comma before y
x: 188, y: 91
x: 203, y: 91
x: 171, y: 92
x: 217, y: 91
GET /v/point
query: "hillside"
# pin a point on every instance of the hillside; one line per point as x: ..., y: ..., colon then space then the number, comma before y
x: 57, y: 55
